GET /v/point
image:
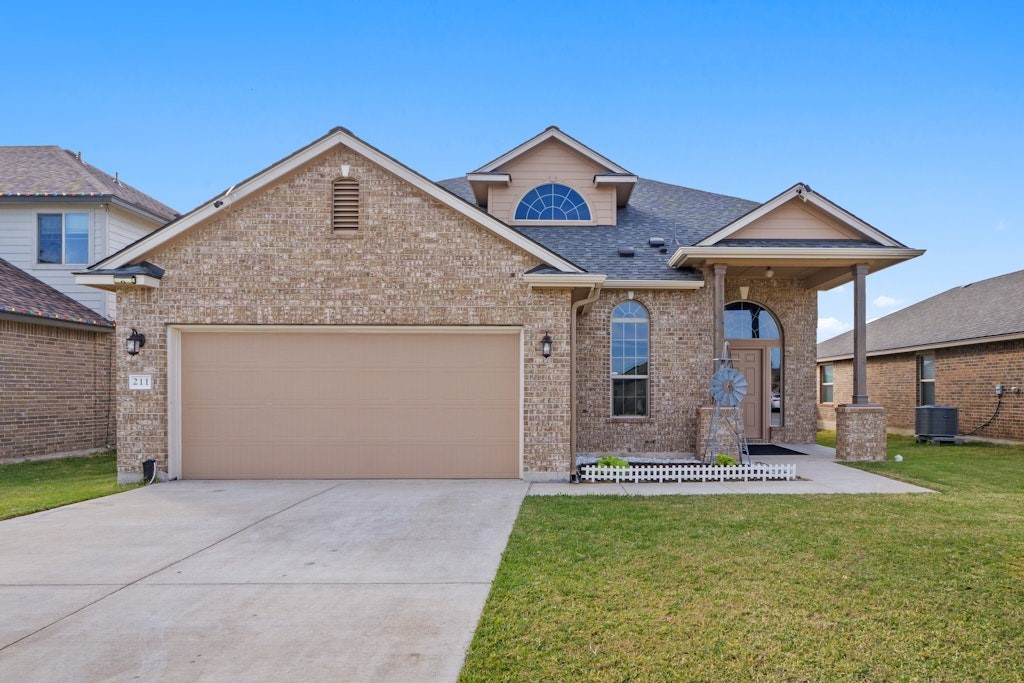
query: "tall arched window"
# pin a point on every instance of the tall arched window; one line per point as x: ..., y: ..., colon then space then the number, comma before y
x: 630, y: 355
x: 745, y: 320
x: 552, y: 202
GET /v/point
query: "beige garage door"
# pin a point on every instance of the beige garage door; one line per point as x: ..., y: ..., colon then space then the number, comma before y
x: 359, y: 404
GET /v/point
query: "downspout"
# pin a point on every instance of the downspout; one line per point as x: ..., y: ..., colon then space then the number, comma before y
x: 592, y: 296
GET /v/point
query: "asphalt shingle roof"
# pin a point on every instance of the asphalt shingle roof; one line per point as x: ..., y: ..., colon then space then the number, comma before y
x: 22, y: 294
x: 49, y: 171
x: 989, y: 308
x: 680, y: 215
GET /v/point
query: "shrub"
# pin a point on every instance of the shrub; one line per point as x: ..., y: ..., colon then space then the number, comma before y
x: 612, y: 461
x: 723, y: 459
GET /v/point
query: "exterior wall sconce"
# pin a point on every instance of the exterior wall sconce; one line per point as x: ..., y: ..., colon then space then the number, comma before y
x: 135, y: 341
x: 545, y: 345
x: 768, y: 272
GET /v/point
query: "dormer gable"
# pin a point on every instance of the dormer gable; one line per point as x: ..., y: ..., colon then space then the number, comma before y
x: 552, y: 179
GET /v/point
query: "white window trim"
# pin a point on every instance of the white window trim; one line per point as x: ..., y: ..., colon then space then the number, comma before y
x: 611, y: 360
x: 822, y: 383
x: 63, y: 239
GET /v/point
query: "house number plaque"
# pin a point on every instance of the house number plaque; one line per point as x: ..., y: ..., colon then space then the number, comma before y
x: 140, y: 382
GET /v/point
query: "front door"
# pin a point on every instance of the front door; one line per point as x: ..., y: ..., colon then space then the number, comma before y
x: 750, y: 362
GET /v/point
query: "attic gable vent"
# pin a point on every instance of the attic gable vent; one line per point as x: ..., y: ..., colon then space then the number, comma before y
x: 345, y: 204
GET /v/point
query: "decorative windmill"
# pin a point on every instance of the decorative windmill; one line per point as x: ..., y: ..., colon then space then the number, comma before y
x: 728, y: 387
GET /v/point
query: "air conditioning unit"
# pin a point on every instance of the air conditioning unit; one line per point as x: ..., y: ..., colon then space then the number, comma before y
x: 936, y: 423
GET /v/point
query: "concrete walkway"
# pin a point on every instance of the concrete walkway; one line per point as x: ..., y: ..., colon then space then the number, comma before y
x: 816, y: 468
x: 253, y: 581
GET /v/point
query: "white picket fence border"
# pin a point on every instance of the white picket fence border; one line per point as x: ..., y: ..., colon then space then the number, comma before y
x: 663, y: 473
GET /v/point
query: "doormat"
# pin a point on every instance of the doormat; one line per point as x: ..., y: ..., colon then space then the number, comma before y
x: 770, y: 449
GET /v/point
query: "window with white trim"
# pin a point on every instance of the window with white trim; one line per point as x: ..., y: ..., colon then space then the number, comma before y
x: 62, y: 237
x: 926, y: 380
x: 552, y: 202
x: 630, y: 355
x: 826, y: 383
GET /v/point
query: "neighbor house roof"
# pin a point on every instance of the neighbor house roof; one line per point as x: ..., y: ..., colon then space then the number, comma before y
x: 679, y: 215
x: 969, y: 314
x: 46, y: 172
x: 23, y: 296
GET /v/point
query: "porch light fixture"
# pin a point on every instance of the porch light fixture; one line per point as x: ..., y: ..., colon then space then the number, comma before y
x: 545, y: 345
x: 768, y: 272
x: 135, y: 341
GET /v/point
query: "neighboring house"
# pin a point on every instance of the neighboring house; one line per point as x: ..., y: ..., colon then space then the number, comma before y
x: 58, y: 214
x: 953, y: 349
x: 339, y: 315
x: 56, y: 368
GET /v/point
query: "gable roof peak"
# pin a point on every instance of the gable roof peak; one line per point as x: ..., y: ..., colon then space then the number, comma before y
x: 552, y: 132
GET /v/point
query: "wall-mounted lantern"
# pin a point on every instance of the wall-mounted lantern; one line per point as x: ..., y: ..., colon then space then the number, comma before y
x: 545, y: 345
x: 135, y: 341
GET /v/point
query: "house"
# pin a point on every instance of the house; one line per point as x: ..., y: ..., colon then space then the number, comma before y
x: 339, y: 315
x: 963, y: 348
x: 59, y: 213
x: 56, y: 367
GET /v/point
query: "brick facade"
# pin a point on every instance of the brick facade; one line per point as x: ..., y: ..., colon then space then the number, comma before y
x: 272, y: 259
x: 56, y: 389
x: 681, y: 366
x: 965, y: 377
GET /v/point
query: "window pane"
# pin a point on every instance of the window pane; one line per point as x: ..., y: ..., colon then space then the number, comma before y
x: 49, y: 238
x: 76, y: 238
x: 629, y: 397
x: 826, y: 393
x: 927, y: 393
x: 744, y: 320
x: 826, y: 374
x: 927, y: 367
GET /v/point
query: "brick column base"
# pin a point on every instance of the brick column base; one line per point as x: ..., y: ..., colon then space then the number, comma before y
x: 860, y: 432
x: 726, y: 432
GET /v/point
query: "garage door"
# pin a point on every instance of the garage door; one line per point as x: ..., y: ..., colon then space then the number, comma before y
x: 349, y: 404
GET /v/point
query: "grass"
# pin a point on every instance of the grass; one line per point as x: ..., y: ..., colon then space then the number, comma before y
x: 28, y: 487
x: 926, y: 587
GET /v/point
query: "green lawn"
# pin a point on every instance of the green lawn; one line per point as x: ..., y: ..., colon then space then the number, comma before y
x: 926, y: 587
x: 33, y: 486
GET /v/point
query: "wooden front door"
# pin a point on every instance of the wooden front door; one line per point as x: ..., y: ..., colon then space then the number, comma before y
x: 750, y: 362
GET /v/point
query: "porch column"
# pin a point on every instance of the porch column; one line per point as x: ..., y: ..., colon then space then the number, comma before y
x: 719, y: 303
x: 860, y: 426
x: 860, y: 355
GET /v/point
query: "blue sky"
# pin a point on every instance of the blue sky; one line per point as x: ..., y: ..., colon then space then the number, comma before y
x: 909, y: 114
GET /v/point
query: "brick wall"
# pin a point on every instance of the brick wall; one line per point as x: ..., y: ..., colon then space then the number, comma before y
x: 965, y: 377
x: 55, y: 391
x: 681, y: 366
x: 272, y: 259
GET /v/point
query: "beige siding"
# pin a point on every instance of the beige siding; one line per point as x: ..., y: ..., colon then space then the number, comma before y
x: 123, y: 228
x: 796, y: 220
x: 18, y: 246
x: 553, y: 162
x: 350, y: 403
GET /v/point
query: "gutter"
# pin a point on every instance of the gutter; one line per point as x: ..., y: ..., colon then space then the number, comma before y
x: 592, y: 296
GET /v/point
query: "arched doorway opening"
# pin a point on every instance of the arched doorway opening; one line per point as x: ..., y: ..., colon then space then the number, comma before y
x: 755, y: 341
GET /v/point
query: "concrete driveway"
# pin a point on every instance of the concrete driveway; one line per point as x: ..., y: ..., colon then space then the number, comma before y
x: 303, y: 580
